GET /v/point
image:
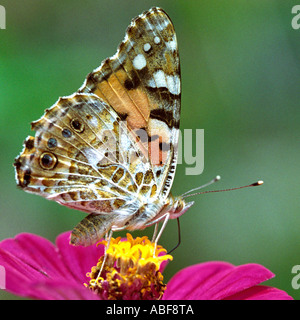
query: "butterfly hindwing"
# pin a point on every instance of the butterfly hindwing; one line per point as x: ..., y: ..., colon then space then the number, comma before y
x: 76, y: 157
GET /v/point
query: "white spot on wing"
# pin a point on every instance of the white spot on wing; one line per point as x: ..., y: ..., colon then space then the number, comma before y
x: 93, y: 121
x: 93, y: 156
x: 157, y: 40
x: 162, y: 25
x: 139, y: 62
x: 173, y: 84
x: 147, y: 47
x: 151, y: 83
x: 172, y: 45
x: 160, y: 80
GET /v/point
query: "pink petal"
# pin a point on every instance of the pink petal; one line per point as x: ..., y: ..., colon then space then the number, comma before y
x: 261, y: 293
x: 163, y: 266
x: 19, y: 276
x: 37, y: 253
x: 36, y: 268
x: 214, y: 281
x: 54, y: 290
x: 27, y: 259
x: 79, y: 260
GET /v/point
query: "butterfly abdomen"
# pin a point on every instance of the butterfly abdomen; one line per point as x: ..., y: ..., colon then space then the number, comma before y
x: 91, y: 229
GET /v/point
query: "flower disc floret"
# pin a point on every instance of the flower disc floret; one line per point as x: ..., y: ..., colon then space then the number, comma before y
x: 130, y: 270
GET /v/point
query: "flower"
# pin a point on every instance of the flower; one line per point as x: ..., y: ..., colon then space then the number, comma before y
x: 37, y: 268
x: 223, y: 281
x: 131, y: 270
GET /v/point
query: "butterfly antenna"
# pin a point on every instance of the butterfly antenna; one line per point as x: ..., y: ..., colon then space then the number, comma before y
x: 258, y: 183
x: 216, y: 179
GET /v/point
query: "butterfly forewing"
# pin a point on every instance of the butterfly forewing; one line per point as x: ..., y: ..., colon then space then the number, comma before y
x: 142, y: 83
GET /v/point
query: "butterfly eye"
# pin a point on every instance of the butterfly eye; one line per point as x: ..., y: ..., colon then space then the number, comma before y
x: 48, y: 161
x: 77, y: 125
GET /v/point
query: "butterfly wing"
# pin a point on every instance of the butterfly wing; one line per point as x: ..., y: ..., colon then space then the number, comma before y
x: 142, y: 83
x: 83, y: 154
x: 77, y: 158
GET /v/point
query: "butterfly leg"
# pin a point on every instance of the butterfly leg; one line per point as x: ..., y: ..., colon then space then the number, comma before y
x: 108, y: 238
x: 167, y: 216
x: 155, y: 232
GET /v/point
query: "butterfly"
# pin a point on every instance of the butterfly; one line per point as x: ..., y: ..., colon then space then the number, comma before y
x: 110, y: 149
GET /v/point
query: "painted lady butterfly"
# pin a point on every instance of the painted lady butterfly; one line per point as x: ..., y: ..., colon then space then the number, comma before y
x: 110, y: 149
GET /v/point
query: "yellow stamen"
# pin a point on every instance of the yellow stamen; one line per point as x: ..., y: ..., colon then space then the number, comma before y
x: 130, y: 271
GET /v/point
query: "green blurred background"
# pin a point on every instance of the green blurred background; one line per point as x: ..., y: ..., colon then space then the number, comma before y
x: 240, y: 77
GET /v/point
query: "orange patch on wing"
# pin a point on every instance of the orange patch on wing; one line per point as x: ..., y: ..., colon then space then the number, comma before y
x: 133, y: 102
x: 160, y: 142
x: 157, y: 157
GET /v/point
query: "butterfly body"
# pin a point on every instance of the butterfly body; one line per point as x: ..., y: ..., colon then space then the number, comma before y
x: 110, y: 149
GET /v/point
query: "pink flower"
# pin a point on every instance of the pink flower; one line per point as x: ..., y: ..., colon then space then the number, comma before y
x: 223, y: 281
x: 38, y: 269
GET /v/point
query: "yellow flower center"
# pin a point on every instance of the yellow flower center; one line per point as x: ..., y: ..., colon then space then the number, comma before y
x: 130, y: 270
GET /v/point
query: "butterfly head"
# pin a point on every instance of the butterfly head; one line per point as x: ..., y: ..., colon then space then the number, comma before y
x: 179, y: 207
